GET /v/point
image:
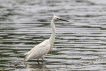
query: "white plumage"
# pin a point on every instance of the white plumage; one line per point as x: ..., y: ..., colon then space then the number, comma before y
x: 40, y: 50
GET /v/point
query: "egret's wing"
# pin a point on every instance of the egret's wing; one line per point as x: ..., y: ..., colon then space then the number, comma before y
x: 39, y: 45
x: 30, y: 54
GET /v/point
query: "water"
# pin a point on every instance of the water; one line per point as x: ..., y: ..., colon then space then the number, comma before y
x: 79, y: 45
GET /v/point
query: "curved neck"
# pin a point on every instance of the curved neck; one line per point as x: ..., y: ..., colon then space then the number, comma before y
x: 52, y: 38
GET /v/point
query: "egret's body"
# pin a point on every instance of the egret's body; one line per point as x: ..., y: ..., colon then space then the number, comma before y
x: 40, y: 50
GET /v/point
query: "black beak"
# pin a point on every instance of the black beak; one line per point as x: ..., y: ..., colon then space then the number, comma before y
x: 63, y: 20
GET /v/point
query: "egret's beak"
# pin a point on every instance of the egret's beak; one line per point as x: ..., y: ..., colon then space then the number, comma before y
x: 63, y: 20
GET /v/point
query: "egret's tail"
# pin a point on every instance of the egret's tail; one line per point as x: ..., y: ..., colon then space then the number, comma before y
x: 27, y: 57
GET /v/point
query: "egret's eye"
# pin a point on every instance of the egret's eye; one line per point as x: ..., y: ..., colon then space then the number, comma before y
x: 57, y: 18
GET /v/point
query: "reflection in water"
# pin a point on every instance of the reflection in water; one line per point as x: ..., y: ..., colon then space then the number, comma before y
x: 36, y: 67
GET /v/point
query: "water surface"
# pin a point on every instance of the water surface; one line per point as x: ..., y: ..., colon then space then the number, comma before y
x: 80, y: 44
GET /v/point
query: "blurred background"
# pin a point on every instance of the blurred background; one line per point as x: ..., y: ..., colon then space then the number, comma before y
x: 80, y: 44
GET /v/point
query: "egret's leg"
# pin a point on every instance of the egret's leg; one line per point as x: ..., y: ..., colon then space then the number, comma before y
x: 42, y: 59
x: 38, y: 60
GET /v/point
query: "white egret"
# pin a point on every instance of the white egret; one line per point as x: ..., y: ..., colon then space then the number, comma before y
x: 40, y: 50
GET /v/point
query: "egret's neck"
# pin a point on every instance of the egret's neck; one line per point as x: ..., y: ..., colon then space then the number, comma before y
x: 52, y: 38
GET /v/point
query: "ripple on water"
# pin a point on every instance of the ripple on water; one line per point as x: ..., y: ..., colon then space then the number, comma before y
x: 79, y: 44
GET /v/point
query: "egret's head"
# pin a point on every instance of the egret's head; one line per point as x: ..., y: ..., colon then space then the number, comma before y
x: 56, y: 18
